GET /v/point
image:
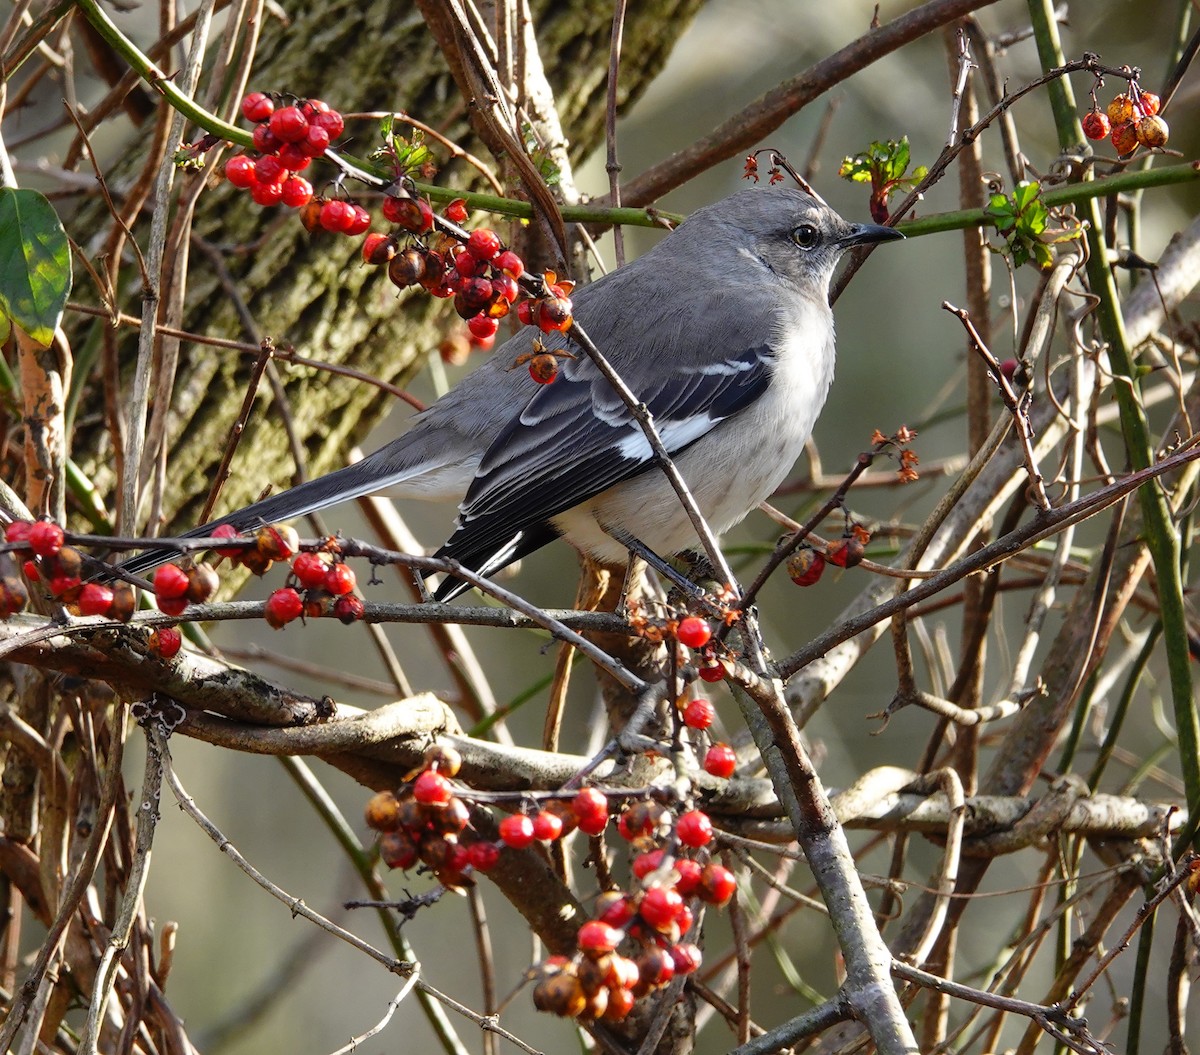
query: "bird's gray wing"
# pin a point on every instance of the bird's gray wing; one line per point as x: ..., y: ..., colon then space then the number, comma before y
x: 577, y: 438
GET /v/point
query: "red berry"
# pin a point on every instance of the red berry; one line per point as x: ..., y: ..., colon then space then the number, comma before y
x: 336, y: 214
x: 30, y: 571
x: 432, y: 789
x: 699, y: 713
x: 590, y: 807
x: 648, y: 862
x: 332, y: 122
x: 685, y: 956
x: 266, y: 194
x: 506, y: 288
x: 397, y: 850
x: 315, y: 141
x: 694, y: 829
x: 717, y: 884
x: 292, y: 158
x: 484, y: 244
x: 482, y: 327
x: 283, y: 606
x: 265, y: 141
x: 712, y: 670
x: 525, y: 313
x: 659, y: 907
x: 845, y: 552
x: 45, y: 538
x: 413, y: 214
x: 311, y: 107
x: 288, y: 124
x: 349, y: 609
x: 456, y: 211
x: 18, y: 530
x: 1148, y: 103
x: 340, y: 579
x: 166, y: 641
x: 66, y: 587
x: 95, y: 599
x: 689, y: 875
x: 615, y: 908
x: 310, y: 570
x: 360, y: 220
x: 227, y: 531
x: 656, y: 968
x: 720, y: 761
x: 1096, y: 125
x: 297, y: 191
x: 806, y: 566
x: 547, y: 826
x: 597, y: 937
x: 483, y: 856
x: 555, y: 315
x: 172, y: 605
x: 516, y: 831
x: 693, y: 632
x: 170, y: 582
x: 378, y: 248
x: 509, y: 264
x: 239, y: 170
x: 268, y: 169
x: 257, y: 107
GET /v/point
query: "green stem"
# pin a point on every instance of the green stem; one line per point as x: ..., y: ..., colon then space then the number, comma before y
x: 161, y: 83
x: 1161, y: 537
x: 1072, y: 194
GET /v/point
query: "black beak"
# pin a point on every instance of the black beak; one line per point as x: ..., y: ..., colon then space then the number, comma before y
x: 868, y: 234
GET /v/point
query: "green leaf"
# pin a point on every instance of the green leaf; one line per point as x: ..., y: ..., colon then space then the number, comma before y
x: 35, y: 263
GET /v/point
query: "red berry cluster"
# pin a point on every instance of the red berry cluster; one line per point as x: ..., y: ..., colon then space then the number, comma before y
x: 806, y: 565
x: 286, y: 139
x: 1131, y: 121
x: 425, y: 823
x: 319, y: 584
x: 60, y: 568
x: 652, y: 920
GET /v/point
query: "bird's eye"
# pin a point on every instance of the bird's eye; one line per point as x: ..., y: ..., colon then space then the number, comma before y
x: 806, y: 236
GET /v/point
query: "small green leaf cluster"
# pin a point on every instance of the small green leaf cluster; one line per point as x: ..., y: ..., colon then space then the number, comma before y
x: 884, y: 166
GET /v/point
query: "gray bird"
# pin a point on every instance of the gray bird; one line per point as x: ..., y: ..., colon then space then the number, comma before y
x: 723, y: 330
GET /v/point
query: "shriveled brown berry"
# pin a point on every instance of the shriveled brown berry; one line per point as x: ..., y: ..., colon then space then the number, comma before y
x: 124, y: 603
x: 1152, y: 132
x: 543, y: 368
x: 1120, y: 110
x: 397, y: 850
x: 13, y: 596
x: 444, y: 758
x: 255, y: 561
x: 1124, y: 138
x: 202, y: 583
x: 407, y: 268
x: 560, y: 994
x: 383, y: 812
x: 278, y: 541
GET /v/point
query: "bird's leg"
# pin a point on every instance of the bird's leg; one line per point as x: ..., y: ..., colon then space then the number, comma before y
x: 637, y: 548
